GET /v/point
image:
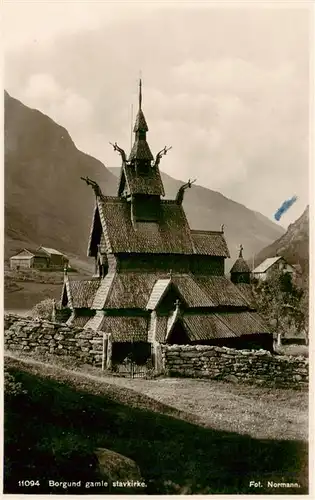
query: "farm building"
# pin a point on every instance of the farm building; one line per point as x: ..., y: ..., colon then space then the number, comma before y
x: 157, y: 280
x: 29, y: 258
x: 39, y: 258
x: 270, y: 265
x: 56, y: 258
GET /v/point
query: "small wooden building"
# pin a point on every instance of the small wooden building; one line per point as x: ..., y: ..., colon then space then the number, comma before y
x: 29, y: 258
x: 156, y: 279
x: 56, y: 258
x: 39, y: 258
x: 271, y: 265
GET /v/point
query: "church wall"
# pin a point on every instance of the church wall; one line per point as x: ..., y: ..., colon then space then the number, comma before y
x: 153, y: 262
x: 196, y: 264
x: 207, y: 265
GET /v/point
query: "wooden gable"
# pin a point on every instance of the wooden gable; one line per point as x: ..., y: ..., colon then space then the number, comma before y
x: 95, y: 234
x: 25, y: 253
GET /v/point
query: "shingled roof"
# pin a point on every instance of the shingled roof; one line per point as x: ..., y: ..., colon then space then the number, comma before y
x: 33, y: 252
x: 240, y: 266
x: 221, y: 291
x: 223, y: 325
x: 130, y: 290
x: 80, y: 321
x: 173, y: 235
x: 210, y: 243
x: 141, y: 290
x: 83, y: 292
x: 266, y: 264
x: 140, y: 151
x: 206, y: 327
x: 246, y: 290
x: 140, y: 123
x: 125, y: 328
x: 148, y: 183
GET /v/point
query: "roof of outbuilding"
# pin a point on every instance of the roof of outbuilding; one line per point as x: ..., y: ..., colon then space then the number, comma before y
x: 34, y: 252
x: 51, y: 251
x: 22, y: 257
x: 266, y: 264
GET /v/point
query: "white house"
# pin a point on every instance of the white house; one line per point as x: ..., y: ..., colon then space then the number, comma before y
x: 270, y: 265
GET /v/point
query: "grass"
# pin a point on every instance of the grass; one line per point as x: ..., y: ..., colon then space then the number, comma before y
x: 293, y: 350
x: 52, y: 431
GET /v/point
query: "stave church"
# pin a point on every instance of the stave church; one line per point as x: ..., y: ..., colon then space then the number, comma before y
x: 156, y: 279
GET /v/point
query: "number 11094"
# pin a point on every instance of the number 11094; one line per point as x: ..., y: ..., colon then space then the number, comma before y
x: 29, y: 482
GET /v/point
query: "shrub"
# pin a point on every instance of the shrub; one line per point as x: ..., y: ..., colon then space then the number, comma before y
x: 11, y: 387
x: 43, y: 310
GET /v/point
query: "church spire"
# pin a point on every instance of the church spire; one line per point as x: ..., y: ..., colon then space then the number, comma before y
x: 140, y: 93
x: 140, y: 151
x: 140, y: 175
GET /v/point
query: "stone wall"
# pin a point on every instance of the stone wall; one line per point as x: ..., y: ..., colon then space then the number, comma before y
x: 27, y: 335
x: 221, y: 363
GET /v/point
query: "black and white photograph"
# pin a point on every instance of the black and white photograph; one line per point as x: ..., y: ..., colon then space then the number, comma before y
x: 156, y: 247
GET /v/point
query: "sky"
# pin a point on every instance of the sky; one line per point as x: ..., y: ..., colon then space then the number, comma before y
x: 226, y: 85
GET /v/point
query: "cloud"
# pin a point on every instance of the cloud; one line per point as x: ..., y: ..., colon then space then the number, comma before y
x: 228, y: 90
x: 63, y: 105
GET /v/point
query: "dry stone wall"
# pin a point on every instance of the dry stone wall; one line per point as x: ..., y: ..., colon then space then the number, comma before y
x: 222, y: 363
x: 27, y: 335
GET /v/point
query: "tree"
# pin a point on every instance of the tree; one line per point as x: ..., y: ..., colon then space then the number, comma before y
x: 283, y: 304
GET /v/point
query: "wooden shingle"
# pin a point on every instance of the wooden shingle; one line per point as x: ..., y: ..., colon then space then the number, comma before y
x: 210, y: 243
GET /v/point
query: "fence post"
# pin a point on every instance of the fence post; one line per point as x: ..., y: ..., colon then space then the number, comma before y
x: 109, y: 352
x: 158, y: 358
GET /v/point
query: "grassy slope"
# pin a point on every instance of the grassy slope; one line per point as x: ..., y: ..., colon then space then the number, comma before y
x: 66, y: 411
x: 25, y: 288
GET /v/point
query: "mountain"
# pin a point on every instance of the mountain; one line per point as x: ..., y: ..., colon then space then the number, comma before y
x: 293, y: 245
x: 47, y: 203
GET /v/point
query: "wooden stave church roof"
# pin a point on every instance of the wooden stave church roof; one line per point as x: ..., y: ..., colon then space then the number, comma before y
x: 173, y: 234
x: 150, y: 184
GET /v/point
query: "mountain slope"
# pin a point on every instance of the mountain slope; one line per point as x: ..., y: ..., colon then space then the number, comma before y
x: 45, y: 200
x: 293, y: 245
x: 47, y: 203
